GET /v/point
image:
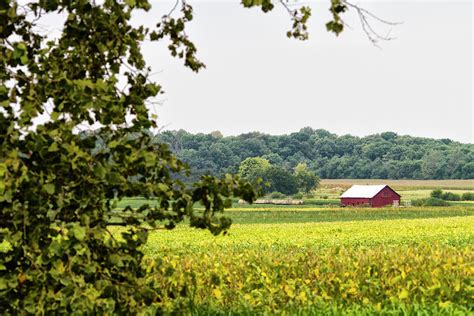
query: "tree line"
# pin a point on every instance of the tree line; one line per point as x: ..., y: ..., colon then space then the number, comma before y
x: 380, y: 156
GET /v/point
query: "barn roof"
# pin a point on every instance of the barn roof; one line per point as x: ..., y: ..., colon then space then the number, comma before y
x: 363, y: 191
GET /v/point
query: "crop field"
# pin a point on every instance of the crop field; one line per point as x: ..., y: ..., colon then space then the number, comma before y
x: 321, y: 259
x: 454, y: 184
x: 309, y: 261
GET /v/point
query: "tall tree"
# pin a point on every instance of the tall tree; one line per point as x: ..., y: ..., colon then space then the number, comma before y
x: 253, y: 168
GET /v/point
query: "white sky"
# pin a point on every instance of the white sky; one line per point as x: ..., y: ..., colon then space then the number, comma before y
x: 258, y: 80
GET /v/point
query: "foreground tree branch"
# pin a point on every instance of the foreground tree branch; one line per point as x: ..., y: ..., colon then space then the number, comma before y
x: 364, y: 16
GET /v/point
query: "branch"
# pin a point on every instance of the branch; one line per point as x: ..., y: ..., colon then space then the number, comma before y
x: 366, y: 12
x: 299, y: 17
x: 122, y: 224
x: 287, y: 7
x: 372, y: 34
x: 173, y: 8
x: 117, y: 224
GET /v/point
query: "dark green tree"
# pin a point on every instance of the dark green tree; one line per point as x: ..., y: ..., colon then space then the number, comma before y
x: 433, y: 165
x: 305, y: 178
x: 279, y: 179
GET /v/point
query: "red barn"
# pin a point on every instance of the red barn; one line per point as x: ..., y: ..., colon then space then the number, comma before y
x: 370, y: 195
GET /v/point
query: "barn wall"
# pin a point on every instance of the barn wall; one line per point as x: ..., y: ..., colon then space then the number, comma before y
x: 354, y: 201
x: 385, y: 197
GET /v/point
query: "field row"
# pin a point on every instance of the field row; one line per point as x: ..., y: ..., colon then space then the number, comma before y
x: 404, y: 279
x: 455, y: 231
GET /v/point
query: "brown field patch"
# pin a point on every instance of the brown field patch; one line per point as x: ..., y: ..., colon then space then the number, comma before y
x: 450, y: 184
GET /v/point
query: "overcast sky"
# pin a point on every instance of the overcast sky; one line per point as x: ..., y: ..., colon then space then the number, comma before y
x: 258, y: 80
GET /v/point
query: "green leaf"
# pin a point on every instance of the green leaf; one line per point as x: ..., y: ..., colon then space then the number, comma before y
x: 115, y: 259
x: 113, y: 144
x: 5, y: 246
x: 247, y: 3
x: 3, y: 169
x: 55, y: 115
x: 3, y: 283
x: 24, y: 59
x: 20, y: 50
x: 53, y: 147
x: 100, y: 171
x: 49, y: 188
x: 79, y: 232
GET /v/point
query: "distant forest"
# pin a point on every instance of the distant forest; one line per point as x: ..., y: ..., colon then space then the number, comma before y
x: 381, y: 156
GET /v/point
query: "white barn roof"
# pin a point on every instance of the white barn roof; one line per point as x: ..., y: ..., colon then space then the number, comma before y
x: 363, y: 191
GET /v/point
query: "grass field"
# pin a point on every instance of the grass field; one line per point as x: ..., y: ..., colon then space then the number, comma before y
x: 320, y: 259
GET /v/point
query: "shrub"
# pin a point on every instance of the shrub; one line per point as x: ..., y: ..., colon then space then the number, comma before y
x: 450, y: 196
x: 277, y: 195
x: 310, y: 195
x: 298, y: 196
x: 468, y: 196
x: 429, y: 202
x: 447, y: 196
x: 435, y: 202
x: 438, y: 193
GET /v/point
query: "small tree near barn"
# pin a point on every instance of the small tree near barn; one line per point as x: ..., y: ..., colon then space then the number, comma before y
x: 305, y: 178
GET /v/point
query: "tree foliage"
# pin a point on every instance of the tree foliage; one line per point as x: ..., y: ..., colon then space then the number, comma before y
x: 254, y: 168
x: 280, y: 180
x: 305, y: 178
x: 277, y: 179
x: 385, y: 155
